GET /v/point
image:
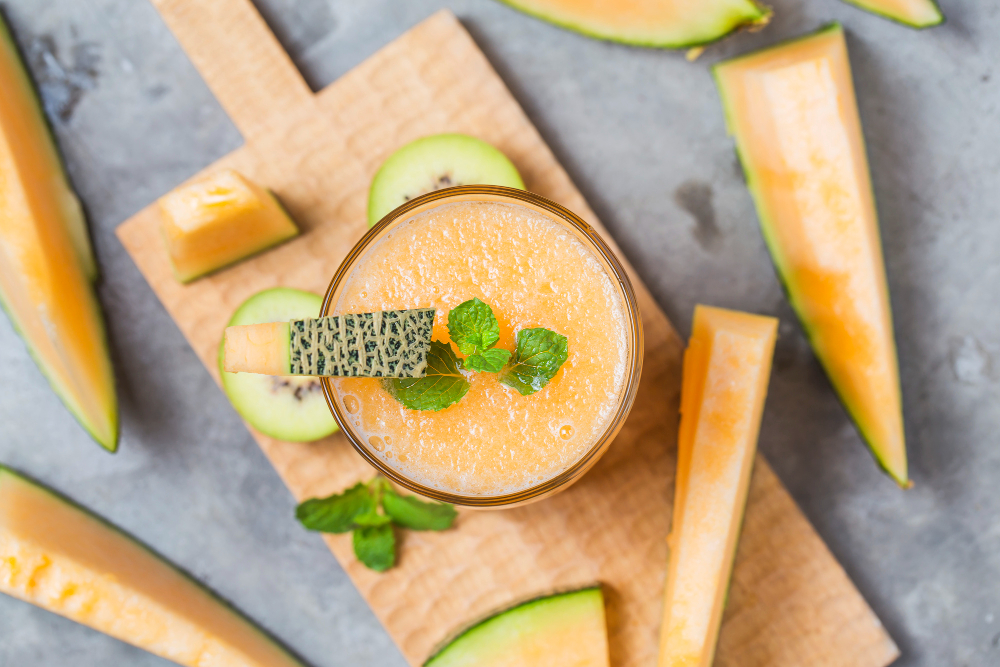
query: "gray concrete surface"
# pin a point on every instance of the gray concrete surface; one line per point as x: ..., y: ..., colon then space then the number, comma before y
x: 642, y: 134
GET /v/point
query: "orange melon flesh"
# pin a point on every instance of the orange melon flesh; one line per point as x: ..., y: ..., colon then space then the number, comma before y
x: 24, y: 122
x: 218, y: 220
x: 726, y: 370
x: 56, y: 555
x: 258, y: 348
x: 663, y: 23
x: 45, y: 266
x: 793, y: 113
x: 914, y: 13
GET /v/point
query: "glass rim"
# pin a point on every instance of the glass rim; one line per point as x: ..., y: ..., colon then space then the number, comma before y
x: 629, y: 303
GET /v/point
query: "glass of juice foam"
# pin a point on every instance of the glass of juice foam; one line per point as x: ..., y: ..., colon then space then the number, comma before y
x: 535, y: 264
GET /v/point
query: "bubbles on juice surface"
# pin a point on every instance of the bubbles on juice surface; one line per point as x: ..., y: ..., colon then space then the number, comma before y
x: 352, y: 404
x: 566, y: 432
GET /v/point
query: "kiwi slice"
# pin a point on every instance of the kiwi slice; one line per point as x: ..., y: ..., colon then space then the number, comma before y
x: 437, y: 162
x: 288, y: 408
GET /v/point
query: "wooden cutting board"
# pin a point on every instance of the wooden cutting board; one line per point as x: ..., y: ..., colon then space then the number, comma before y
x: 790, y: 604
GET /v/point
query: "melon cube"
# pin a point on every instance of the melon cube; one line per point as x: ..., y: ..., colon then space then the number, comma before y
x: 218, y: 220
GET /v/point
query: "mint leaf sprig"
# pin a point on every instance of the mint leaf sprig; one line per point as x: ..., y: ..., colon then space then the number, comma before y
x: 539, y: 355
x: 475, y: 330
x: 472, y: 327
x: 443, y: 385
x: 357, y: 509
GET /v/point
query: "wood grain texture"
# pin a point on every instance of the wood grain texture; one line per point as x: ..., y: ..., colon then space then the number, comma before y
x: 790, y: 604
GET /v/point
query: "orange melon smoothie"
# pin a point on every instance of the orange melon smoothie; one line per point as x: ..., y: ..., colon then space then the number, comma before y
x: 533, y: 270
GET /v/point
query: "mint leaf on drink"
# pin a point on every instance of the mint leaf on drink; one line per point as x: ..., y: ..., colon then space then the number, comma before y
x: 336, y: 513
x: 488, y: 361
x: 443, y: 385
x: 539, y: 355
x: 415, y: 514
x: 375, y: 546
x: 473, y: 327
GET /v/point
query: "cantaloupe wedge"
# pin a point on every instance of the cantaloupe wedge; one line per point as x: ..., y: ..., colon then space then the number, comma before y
x: 671, y: 24
x: 385, y: 344
x: 793, y: 113
x: 726, y: 370
x: 58, y: 556
x: 46, y: 266
x: 22, y: 111
x: 561, y: 630
x: 914, y: 13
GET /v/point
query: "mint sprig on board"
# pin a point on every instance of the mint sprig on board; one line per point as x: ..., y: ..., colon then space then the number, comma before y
x: 373, y: 511
x: 475, y: 331
x: 415, y: 514
x: 539, y: 355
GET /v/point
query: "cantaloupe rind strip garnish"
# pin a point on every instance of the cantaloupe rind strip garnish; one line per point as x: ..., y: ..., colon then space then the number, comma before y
x: 388, y: 343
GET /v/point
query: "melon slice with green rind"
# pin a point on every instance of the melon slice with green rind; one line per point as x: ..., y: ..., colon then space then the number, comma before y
x: 671, y: 24
x: 383, y: 344
x: 60, y: 557
x: 434, y: 163
x: 794, y: 115
x: 290, y: 408
x: 46, y: 269
x: 22, y: 109
x: 912, y: 13
x: 726, y: 370
x: 564, y: 630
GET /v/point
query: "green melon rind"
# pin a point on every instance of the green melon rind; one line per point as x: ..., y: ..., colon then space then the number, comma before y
x: 868, y: 6
x: 755, y: 15
x: 6, y: 471
x: 341, y: 345
x: 76, y: 222
x: 244, y: 389
x: 458, y: 150
x: 528, y: 608
x: 774, y: 249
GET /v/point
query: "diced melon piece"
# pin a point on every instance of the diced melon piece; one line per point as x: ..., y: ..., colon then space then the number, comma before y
x: 793, y: 113
x: 220, y: 219
x: 43, y: 173
x: 914, y: 13
x: 58, y: 556
x: 46, y: 265
x: 386, y: 344
x: 726, y: 370
x: 562, y: 630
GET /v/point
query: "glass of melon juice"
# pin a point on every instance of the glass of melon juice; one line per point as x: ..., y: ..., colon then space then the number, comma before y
x: 535, y: 264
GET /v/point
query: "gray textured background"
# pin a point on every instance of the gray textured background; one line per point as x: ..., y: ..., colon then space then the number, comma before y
x: 642, y: 134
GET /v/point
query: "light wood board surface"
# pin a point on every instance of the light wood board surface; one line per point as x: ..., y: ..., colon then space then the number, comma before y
x: 790, y: 604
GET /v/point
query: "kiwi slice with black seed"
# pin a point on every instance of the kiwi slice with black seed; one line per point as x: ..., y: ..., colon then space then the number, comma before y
x: 433, y: 163
x: 288, y: 408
